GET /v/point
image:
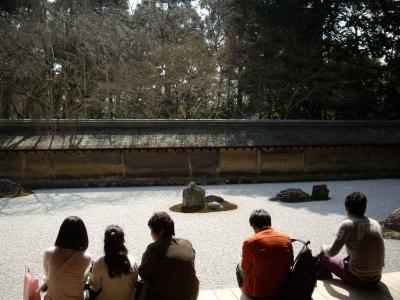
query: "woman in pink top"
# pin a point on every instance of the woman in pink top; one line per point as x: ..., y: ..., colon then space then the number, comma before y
x: 72, y: 238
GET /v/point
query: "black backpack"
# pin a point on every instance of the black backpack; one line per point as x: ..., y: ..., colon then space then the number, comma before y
x: 303, y: 275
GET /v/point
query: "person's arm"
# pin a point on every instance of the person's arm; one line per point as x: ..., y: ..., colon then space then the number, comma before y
x: 89, y: 268
x: 291, y: 254
x: 96, y: 277
x: 147, y: 265
x: 135, y: 271
x: 341, y: 238
x: 246, y: 257
x: 45, y: 266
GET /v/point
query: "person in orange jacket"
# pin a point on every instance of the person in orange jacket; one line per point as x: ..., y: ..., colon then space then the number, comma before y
x: 266, y: 259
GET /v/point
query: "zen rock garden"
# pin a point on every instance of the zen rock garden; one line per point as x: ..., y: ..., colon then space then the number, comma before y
x: 319, y: 192
x: 194, y: 199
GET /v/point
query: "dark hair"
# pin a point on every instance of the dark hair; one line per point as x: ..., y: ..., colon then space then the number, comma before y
x: 162, y: 221
x: 260, y: 218
x: 72, y: 234
x: 116, y: 254
x: 356, y: 204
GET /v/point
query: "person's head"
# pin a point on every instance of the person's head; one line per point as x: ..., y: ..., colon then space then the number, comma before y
x: 116, y: 254
x: 114, y: 240
x: 72, y: 234
x: 259, y: 218
x: 161, y: 226
x: 356, y: 204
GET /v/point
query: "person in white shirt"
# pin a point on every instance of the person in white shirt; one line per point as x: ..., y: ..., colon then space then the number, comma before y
x: 72, y: 239
x: 363, y: 239
x: 114, y: 275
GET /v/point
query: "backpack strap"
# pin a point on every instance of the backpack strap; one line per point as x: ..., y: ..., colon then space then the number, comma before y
x: 59, y: 271
x: 301, y: 241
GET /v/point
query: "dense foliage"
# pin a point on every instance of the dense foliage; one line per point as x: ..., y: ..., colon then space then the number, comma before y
x: 286, y: 59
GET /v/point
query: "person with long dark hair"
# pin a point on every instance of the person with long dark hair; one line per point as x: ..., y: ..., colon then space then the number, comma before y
x: 66, y: 263
x: 114, y: 275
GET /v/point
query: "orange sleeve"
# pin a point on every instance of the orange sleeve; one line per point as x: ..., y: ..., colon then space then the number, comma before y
x: 246, y: 257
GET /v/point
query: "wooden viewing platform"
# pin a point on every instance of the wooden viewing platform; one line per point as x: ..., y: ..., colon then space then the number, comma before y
x: 388, y: 289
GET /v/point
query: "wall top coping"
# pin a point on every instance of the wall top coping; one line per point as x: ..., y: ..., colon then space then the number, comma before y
x: 158, y: 134
x: 164, y: 123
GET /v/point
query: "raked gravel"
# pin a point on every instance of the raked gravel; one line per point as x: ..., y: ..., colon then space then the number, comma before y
x: 30, y: 224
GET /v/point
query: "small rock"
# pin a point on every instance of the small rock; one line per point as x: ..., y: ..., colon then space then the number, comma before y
x: 193, y: 196
x: 393, y: 220
x: 213, y: 198
x: 320, y: 192
x: 214, y: 205
x: 292, y: 196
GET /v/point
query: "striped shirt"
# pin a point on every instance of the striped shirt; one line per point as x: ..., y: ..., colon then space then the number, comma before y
x: 364, y: 243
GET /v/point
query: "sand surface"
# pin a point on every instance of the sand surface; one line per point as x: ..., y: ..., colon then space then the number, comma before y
x: 30, y: 224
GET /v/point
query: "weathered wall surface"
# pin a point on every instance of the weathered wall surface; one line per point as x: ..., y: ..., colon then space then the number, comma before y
x: 124, y: 167
x: 344, y: 159
x: 387, y: 157
x: 282, y: 161
x: 159, y: 164
x: 242, y: 161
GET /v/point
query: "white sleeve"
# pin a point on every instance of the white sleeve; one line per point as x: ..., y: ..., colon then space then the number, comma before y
x: 96, y: 276
x: 45, y: 265
x: 342, y: 237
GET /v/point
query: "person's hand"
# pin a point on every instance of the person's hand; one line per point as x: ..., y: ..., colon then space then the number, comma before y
x: 323, y: 248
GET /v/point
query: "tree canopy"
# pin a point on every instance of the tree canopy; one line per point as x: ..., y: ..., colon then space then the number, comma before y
x: 287, y: 59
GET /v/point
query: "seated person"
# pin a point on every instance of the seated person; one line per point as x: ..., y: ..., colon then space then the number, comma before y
x: 363, y: 239
x: 168, y: 264
x: 65, y: 265
x: 114, y: 274
x: 266, y: 259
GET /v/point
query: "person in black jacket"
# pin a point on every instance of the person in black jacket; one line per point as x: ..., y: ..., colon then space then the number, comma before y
x: 167, y: 265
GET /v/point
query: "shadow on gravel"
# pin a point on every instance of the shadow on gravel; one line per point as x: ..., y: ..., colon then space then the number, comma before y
x: 48, y: 201
x: 35, y: 204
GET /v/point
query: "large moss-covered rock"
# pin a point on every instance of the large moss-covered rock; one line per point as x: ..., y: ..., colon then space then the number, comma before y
x: 292, y: 196
x: 193, y: 196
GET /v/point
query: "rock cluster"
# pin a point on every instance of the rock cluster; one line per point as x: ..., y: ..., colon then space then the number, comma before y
x: 194, y: 196
x: 319, y: 192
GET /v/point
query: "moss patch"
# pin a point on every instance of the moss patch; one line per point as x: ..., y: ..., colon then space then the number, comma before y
x: 15, y: 195
x: 389, y: 233
x: 205, y: 209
